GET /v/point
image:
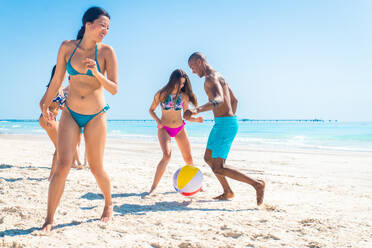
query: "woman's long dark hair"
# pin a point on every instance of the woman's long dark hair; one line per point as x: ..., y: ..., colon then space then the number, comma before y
x: 175, y: 80
x: 91, y: 15
x: 51, y: 75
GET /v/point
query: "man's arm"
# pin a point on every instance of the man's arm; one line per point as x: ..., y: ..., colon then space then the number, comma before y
x: 215, y: 95
x: 234, y: 101
x: 185, y: 100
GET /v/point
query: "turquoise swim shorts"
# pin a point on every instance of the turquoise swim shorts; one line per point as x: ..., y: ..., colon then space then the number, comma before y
x: 222, y: 136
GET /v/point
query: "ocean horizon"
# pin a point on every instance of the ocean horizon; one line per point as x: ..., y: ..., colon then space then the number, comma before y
x: 303, y: 134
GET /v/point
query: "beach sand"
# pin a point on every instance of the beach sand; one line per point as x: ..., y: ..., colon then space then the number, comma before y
x: 313, y: 199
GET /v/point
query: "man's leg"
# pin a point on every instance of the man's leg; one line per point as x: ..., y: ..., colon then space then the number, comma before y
x: 227, y: 191
x: 219, y: 168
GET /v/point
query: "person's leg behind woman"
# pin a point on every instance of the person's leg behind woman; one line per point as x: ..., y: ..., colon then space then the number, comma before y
x: 52, y: 131
x: 77, y: 162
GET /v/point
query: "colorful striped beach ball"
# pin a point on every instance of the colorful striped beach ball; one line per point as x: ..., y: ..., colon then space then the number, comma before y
x: 187, y: 180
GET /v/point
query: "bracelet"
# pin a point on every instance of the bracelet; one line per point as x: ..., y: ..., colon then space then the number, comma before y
x: 214, y: 102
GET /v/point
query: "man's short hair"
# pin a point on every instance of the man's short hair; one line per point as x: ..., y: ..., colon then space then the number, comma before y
x: 197, y: 55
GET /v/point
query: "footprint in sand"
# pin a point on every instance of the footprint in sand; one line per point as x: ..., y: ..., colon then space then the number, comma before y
x: 262, y: 237
x: 102, y: 226
x: 314, y: 244
x: 310, y: 222
x: 188, y: 245
x: 11, y: 209
x: 230, y: 233
x: 15, y: 244
x: 154, y: 245
x: 224, y: 227
x: 272, y: 208
x: 40, y: 233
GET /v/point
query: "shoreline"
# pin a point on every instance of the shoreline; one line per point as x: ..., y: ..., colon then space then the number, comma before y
x: 236, y: 145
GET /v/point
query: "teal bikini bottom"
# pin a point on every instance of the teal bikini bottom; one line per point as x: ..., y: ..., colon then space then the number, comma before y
x: 82, y: 120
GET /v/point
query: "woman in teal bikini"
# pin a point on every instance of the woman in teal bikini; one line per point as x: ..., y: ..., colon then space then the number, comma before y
x: 173, y: 98
x: 87, y: 61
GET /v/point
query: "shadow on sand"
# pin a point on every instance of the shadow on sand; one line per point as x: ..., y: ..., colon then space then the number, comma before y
x: 94, y: 196
x: 21, y: 232
x: 8, y: 166
x: 20, y: 178
x: 5, y: 166
x: 166, y: 207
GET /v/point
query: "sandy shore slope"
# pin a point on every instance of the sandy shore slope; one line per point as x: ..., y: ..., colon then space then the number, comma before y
x: 313, y: 199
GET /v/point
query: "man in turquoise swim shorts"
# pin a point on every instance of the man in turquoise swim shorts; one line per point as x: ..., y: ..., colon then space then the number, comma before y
x: 223, y: 103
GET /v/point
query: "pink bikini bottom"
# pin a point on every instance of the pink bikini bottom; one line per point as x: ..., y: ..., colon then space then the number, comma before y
x: 174, y: 131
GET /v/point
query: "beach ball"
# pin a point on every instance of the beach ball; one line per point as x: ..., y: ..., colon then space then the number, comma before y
x: 187, y: 180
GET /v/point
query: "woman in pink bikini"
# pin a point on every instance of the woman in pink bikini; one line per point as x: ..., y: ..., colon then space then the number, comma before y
x: 173, y: 97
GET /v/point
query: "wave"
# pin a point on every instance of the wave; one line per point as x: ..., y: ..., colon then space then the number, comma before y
x: 299, y: 142
x: 19, y: 120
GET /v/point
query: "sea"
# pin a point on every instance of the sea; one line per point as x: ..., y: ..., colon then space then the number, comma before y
x: 279, y: 134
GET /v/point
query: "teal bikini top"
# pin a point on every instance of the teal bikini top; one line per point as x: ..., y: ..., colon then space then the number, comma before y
x: 74, y: 72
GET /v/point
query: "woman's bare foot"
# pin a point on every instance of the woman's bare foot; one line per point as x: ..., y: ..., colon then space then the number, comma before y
x: 152, y: 191
x: 47, y: 227
x: 77, y: 166
x: 107, y: 213
x: 260, y: 192
x: 224, y: 196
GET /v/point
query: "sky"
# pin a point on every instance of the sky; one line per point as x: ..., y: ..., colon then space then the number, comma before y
x: 283, y: 59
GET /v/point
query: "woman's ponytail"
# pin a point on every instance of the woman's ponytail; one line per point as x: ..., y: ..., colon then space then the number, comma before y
x: 80, y: 33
